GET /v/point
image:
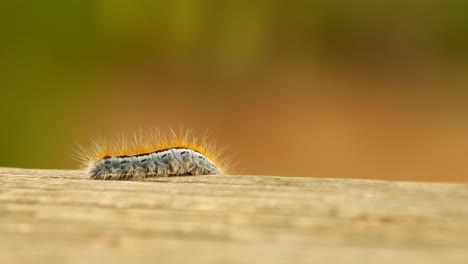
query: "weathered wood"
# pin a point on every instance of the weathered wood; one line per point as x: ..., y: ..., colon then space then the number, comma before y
x: 58, y: 216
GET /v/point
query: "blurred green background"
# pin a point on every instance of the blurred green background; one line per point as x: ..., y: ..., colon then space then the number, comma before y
x: 368, y: 89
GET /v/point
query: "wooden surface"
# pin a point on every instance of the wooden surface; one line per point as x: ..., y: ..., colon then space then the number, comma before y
x: 56, y: 216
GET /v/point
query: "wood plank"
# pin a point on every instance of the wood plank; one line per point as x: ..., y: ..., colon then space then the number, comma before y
x: 57, y: 216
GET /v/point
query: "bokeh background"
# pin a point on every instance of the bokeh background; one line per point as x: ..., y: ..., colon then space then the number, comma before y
x: 327, y: 88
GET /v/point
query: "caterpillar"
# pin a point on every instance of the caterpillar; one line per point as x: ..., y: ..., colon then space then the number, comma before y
x: 154, y: 155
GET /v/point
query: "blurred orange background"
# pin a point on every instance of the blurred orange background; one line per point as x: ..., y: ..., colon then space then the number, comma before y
x: 361, y: 89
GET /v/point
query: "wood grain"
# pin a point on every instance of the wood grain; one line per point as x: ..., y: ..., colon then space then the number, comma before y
x: 58, y: 216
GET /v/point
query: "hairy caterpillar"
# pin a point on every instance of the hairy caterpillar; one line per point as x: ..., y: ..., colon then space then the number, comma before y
x: 153, y: 155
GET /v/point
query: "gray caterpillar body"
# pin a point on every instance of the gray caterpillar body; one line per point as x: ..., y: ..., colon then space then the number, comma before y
x: 162, y: 163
